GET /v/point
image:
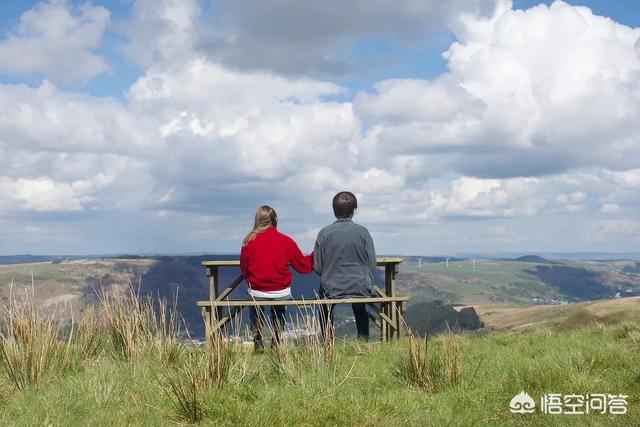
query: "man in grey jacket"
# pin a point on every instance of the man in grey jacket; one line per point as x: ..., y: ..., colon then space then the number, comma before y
x: 345, y: 259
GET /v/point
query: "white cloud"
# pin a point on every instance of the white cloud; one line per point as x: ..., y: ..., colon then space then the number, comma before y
x: 56, y: 40
x: 532, y: 92
x: 42, y: 195
x: 623, y: 229
x: 161, y: 30
x: 316, y: 38
x: 610, y: 208
x: 489, y: 198
x: 48, y: 119
x: 506, y: 135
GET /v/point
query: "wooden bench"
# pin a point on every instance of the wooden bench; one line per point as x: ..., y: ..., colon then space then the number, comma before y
x: 387, y: 307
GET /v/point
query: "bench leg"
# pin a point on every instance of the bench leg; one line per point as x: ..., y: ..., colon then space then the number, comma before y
x: 387, y: 326
x: 401, y: 325
x: 206, y: 317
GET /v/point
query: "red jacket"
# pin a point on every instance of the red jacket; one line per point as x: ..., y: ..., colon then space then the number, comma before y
x: 265, y: 261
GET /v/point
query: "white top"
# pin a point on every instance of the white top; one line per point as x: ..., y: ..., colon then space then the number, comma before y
x: 286, y: 292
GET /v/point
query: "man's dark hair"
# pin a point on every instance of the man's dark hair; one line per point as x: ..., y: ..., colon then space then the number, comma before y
x: 344, y: 203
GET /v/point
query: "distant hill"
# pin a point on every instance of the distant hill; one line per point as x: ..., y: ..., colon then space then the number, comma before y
x: 22, y: 259
x: 76, y: 282
x: 511, y: 282
x: 435, y: 316
x: 632, y: 269
x: 611, y: 311
x: 533, y: 258
x: 478, y: 283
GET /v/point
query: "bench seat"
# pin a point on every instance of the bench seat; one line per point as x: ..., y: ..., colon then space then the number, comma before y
x: 243, y: 303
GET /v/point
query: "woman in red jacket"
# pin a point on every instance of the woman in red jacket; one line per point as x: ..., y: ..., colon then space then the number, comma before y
x: 264, y: 260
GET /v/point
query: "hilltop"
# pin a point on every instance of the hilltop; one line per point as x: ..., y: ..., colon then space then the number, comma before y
x: 533, y: 258
x: 608, y: 312
x: 468, y: 380
x: 516, y: 283
x: 489, y: 286
x: 462, y: 379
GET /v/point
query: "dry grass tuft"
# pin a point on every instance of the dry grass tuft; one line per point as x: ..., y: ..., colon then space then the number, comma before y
x: 201, y: 369
x: 432, y: 369
x: 30, y: 344
x: 310, y: 352
x: 139, y: 326
x: 87, y: 339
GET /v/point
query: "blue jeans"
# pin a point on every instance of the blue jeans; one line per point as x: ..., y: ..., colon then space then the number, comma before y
x: 257, y: 320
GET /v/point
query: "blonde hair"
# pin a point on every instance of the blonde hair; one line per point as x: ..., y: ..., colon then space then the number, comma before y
x: 265, y: 217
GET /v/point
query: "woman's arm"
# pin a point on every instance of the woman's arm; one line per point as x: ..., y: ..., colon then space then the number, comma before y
x: 244, y: 262
x: 300, y: 263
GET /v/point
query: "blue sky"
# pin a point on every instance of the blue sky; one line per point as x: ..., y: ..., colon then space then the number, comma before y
x: 463, y: 126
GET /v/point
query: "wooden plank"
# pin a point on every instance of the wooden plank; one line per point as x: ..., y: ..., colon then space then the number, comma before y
x: 386, y: 318
x: 399, y: 319
x: 379, y: 291
x: 388, y: 260
x: 383, y: 327
x: 383, y: 261
x: 390, y: 290
x: 246, y: 303
x: 374, y: 320
x: 206, y: 316
x: 228, y: 263
x: 226, y: 319
x: 376, y: 310
x: 212, y: 274
x: 224, y: 294
x: 380, y: 312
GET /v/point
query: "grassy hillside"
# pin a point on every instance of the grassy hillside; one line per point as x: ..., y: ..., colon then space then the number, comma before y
x: 73, y: 283
x: 363, y: 385
x: 125, y: 363
x: 515, y: 283
x: 492, y: 285
x: 563, y: 316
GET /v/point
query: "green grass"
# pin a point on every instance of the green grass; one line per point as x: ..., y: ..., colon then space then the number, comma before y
x: 364, y: 385
x: 490, y: 281
x: 127, y: 366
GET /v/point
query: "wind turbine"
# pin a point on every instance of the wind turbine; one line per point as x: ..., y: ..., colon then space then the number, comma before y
x: 473, y: 263
x: 419, y: 264
x: 447, y: 262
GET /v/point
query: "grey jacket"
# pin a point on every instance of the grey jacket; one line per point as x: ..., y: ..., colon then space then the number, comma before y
x: 345, y: 259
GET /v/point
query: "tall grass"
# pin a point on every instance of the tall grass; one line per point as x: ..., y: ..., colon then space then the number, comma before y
x: 432, y: 367
x: 202, y: 369
x: 89, y: 332
x: 35, y: 345
x: 295, y: 357
x: 305, y: 380
x: 230, y: 385
x: 183, y: 385
x: 139, y: 325
x: 30, y: 344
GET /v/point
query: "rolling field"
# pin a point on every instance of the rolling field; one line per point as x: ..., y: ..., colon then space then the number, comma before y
x: 514, y: 283
x: 462, y: 379
x: 505, y: 293
x: 562, y: 316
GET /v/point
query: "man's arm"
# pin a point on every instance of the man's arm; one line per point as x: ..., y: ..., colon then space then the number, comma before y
x: 371, y: 254
x: 317, y: 255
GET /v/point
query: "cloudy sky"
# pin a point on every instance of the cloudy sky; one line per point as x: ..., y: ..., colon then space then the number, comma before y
x: 160, y: 125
